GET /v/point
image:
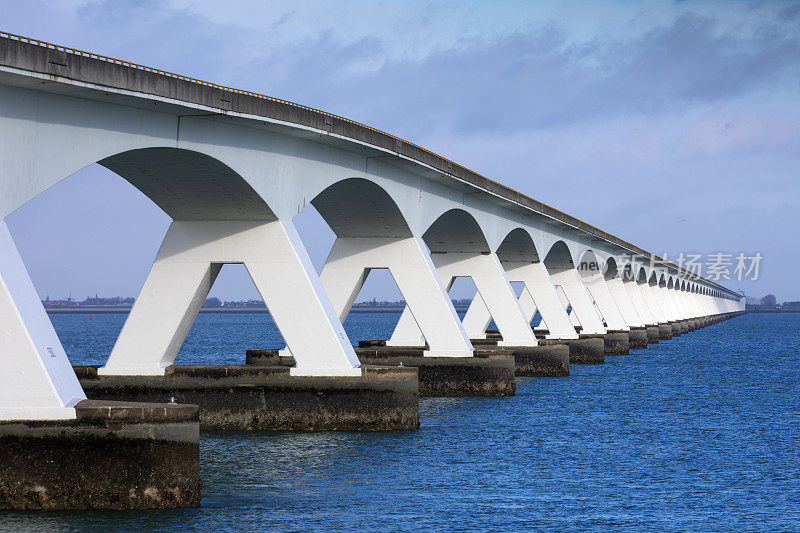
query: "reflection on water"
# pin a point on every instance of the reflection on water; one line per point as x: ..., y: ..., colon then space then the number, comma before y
x: 696, y: 433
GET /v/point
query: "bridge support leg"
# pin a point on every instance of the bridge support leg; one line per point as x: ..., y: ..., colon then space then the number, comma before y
x: 495, y: 290
x: 184, y: 270
x: 540, y: 294
x: 449, y: 367
x: 36, y: 378
x: 637, y: 334
x: 617, y: 340
x: 431, y: 316
x: 56, y: 447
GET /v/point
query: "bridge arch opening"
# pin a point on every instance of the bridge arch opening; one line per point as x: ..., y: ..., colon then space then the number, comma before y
x: 456, y: 231
x: 611, y: 269
x: 350, y: 210
x: 114, y: 215
x: 518, y: 247
x: 641, y: 277
x: 558, y: 260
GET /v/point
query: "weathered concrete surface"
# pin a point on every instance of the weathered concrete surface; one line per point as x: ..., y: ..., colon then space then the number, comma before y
x: 684, y: 325
x: 588, y: 349
x: 652, y: 334
x: 676, y: 329
x: 637, y: 337
x: 541, y: 361
x: 250, y: 397
x: 532, y: 361
x: 616, y: 343
x: 664, y: 331
x: 488, y: 373
x: 114, y: 455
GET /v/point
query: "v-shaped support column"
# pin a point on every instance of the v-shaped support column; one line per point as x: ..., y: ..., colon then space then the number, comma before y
x: 494, y: 290
x: 649, y: 296
x: 582, y: 303
x: 539, y: 294
x: 429, y: 311
x: 639, y: 302
x: 36, y: 379
x: 598, y: 289
x: 182, y: 275
x: 624, y: 302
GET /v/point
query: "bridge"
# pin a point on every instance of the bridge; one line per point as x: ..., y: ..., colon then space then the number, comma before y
x: 232, y: 169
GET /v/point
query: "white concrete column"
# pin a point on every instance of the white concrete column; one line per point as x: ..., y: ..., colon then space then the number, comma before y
x: 496, y: 296
x: 184, y: 270
x: 691, y: 303
x: 430, y: 315
x: 36, y: 379
x: 541, y: 295
x: 639, y: 302
x: 477, y: 318
x: 624, y: 302
x: 680, y: 304
x: 582, y: 303
x: 649, y: 296
x: 670, y: 313
x: 495, y: 289
x: 604, y: 300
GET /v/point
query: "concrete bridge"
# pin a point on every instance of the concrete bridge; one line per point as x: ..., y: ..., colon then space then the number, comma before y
x: 233, y: 168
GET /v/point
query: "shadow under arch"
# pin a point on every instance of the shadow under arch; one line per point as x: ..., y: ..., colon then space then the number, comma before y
x: 518, y: 246
x: 357, y: 207
x: 641, y: 276
x: 456, y: 231
x: 559, y: 257
x: 189, y: 185
x: 611, y: 269
x: 589, y: 265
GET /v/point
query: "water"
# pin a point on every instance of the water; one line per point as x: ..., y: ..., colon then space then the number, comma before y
x: 696, y: 433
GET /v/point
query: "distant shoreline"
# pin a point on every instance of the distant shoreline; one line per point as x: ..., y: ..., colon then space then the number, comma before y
x: 208, y: 310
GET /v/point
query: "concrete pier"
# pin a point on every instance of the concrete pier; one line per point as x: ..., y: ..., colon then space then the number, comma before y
x: 616, y: 343
x: 114, y: 455
x: 587, y: 349
x: 488, y: 373
x: 530, y: 361
x: 676, y: 329
x: 664, y: 331
x: 255, y: 397
x: 637, y: 337
x: 684, y: 325
x: 653, y: 334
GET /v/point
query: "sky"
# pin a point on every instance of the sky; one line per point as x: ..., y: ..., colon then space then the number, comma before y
x: 674, y: 125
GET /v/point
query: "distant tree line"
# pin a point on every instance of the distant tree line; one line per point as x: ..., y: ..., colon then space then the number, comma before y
x: 770, y: 301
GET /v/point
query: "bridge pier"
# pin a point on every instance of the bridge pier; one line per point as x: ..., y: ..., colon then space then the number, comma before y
x: 112, y: 455
x: 637, y: 337
x: 266, y: 396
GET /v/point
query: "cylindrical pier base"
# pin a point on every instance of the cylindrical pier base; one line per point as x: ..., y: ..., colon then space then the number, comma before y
x: 616, y: 343
x: 653, y: 334
x: 588, y: 349
x: 676, y: 328
x: 530, y: 361
x: 267, y: 397
x: 487, y: 373
x: 637, y: 337
x: 114, y: 455
x: 664, y: 331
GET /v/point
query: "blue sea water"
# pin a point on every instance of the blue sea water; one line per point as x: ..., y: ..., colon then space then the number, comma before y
x: 698, y: 433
